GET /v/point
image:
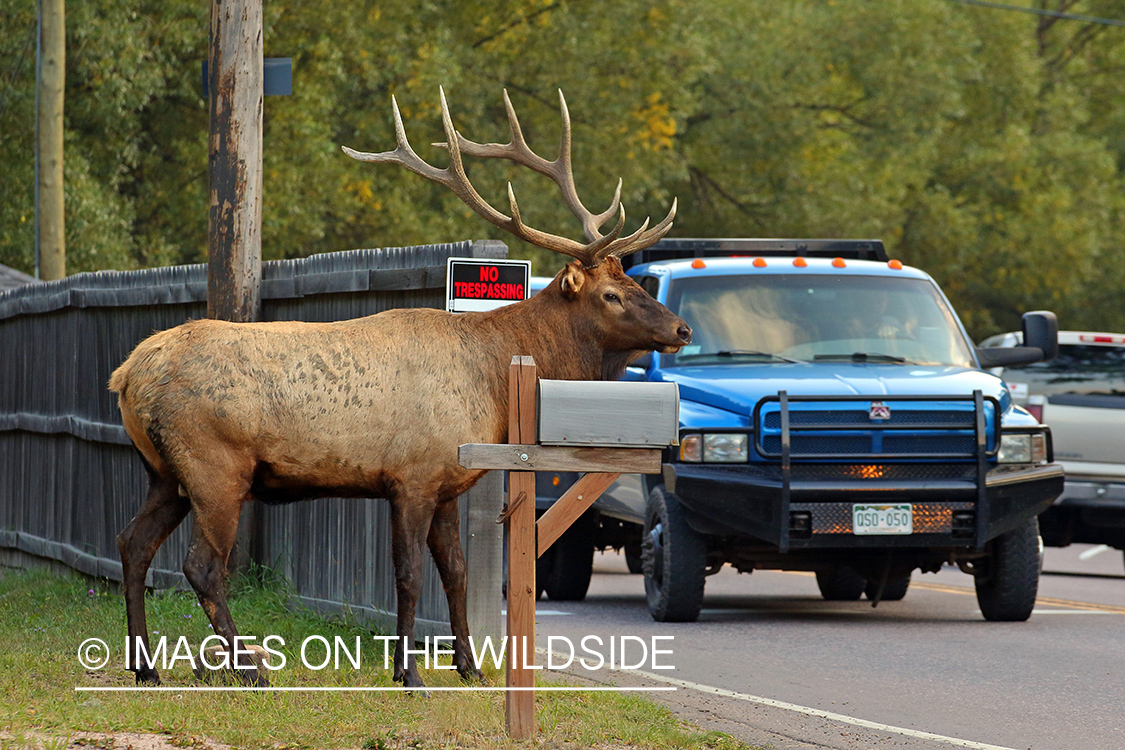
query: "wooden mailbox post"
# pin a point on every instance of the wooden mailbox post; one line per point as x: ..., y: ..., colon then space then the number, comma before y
x: 527, y: 539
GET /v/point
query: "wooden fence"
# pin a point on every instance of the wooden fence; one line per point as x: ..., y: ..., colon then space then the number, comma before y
x: 70, y: 479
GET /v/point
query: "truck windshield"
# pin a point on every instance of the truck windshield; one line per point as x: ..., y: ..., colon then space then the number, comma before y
x: 775, y: 318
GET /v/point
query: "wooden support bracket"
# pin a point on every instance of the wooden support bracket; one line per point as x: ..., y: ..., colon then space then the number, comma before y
x: 570, y: 506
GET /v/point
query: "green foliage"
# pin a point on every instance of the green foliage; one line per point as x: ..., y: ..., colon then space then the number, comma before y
x: 984, y: 146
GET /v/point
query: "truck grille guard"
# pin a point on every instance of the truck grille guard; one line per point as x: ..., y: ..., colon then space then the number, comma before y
x: 973, y: 424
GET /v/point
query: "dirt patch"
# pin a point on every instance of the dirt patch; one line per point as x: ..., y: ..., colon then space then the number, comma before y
x: 109, y: 741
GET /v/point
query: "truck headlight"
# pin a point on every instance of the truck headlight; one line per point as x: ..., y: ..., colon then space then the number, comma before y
x: 725, y: 447
x: 715, y: 447
x: 1022, y: 448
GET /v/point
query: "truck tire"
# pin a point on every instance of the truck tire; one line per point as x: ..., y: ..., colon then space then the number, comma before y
x: 893, y: 591
x: 840, y: 584
x: 569, y: 563
x: 633, y: 558
x: 1009, y: 582
x: 674, y: 558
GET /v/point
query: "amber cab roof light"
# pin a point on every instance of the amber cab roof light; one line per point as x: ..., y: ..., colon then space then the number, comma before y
x: 688, y: 249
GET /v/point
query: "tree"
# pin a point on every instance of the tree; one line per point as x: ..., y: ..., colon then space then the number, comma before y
x: 983, y: 146
x: 929, y: 125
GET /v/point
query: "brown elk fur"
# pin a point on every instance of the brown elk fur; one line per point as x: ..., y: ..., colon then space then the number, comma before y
x: 224, y: 413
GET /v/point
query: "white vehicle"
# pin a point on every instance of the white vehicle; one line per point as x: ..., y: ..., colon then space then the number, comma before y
x: 1081, y: 397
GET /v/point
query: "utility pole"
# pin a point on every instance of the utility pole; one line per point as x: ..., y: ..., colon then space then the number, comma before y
x: 234, y: 226
x: 234, y: 86
x: 51, y: 221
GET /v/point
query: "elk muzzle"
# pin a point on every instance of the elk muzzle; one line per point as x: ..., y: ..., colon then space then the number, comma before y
x: 679, y: 333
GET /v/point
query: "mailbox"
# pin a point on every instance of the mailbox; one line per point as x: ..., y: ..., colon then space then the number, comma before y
x: 608, y: 414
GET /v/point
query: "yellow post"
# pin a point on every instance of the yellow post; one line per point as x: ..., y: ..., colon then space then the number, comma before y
x: 52, y: 83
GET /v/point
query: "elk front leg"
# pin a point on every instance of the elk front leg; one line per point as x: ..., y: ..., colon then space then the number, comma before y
x: 445, y: 545
x: 162, y: 512
x: 410, y: 525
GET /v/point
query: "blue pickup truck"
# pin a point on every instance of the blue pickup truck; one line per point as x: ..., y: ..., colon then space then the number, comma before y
x: 834, y: 417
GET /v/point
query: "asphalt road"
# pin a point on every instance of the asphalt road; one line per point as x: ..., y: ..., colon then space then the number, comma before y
x: 770, y: 661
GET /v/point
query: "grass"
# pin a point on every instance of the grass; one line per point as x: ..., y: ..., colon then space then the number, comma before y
x: 44, y: 617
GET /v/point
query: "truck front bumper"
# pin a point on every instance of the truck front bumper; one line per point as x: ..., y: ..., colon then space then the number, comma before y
x: 814, y: 508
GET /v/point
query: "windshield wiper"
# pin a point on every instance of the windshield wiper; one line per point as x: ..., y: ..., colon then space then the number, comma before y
x: 741, y: 353
x: 863, y: 357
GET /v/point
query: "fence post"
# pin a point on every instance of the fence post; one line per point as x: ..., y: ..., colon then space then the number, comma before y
x: 484, y: 555
x: 519, y: 706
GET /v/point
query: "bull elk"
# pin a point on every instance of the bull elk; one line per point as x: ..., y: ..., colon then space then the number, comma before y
x: 225, y: 413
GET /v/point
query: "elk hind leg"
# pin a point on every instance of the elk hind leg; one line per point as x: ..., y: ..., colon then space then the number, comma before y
x: 218, y: 506
x: 137, y: 543
x: 445, y: 546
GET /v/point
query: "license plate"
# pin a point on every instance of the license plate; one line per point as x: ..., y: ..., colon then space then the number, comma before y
x: 882, y: 519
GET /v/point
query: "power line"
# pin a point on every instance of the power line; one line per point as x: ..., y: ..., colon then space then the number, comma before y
x: 1043, y: 12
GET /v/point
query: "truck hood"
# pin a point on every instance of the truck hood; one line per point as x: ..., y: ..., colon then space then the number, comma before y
x: 736, y: 388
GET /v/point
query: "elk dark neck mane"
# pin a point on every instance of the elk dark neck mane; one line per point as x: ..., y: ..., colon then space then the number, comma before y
x: 565, y: 346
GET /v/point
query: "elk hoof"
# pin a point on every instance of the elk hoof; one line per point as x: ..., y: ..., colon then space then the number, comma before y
x: 410, y: 679
x: 473, y: 675
x: 217, y: 666
x: 253, y: 678
x: 147, y: 676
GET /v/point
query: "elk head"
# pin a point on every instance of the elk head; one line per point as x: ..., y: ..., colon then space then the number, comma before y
x: 611, y: 306
x: 616, y: 311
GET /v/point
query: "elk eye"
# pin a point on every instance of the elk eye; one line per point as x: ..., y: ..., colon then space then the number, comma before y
x: 611, y: 297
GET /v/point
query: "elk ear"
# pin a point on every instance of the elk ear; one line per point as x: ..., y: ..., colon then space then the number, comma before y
x: 572, y: 278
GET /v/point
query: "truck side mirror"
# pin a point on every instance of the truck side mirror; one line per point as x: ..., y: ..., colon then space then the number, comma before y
x: 1040, y: 343
x: 1041, y: 331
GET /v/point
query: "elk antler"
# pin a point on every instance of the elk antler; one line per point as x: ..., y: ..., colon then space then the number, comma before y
x: 598, y: 246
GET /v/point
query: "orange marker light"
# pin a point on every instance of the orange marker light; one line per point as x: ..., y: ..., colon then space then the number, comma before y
x: 800, y: 262
x: 895, y: 264
x: 759, y: 263
x: 698, y: 263
x: 839, y: 263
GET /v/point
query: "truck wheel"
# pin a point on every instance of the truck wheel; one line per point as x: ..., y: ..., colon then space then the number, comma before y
x: 840, y: 584
x: 633, y: 558
x: 892, y: 592
x: 1009, y: 582
x: 570, y: 562
x: 674, y: 558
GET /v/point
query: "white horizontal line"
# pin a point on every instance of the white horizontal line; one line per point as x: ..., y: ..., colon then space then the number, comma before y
x: 807, y: 710
x: 389, y: 689
x: 817, y: 712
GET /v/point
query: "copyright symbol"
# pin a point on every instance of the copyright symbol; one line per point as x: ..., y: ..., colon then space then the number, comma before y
x: 93, y: 653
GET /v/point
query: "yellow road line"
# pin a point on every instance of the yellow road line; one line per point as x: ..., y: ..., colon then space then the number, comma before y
x: 1041, y: 600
